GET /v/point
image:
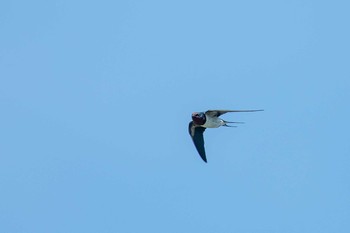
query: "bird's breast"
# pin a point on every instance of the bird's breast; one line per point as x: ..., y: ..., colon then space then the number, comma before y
x: 213, y: 122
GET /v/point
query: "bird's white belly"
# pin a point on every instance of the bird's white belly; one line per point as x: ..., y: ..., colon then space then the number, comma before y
x: 213, y: 122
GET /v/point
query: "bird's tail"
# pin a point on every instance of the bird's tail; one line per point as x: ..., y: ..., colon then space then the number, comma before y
x: 231, y: 122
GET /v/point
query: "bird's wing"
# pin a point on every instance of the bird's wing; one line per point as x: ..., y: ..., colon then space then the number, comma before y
x: 196, y: 133
x: 217, y: 113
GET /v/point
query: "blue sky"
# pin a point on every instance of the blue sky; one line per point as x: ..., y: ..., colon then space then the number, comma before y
x: 96, y: 97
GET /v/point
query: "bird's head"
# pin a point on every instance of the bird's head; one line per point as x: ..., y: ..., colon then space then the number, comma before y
x: 198, y: 118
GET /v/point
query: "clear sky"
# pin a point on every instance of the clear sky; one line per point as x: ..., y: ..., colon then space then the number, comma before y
x: 96, y: 97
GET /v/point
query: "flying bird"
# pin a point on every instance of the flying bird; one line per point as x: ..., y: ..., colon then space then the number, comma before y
x: 209, y: 119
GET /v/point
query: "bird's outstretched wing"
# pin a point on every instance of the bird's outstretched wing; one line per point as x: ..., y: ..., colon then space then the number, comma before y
x: 217, y: 113
x: 196, y: 133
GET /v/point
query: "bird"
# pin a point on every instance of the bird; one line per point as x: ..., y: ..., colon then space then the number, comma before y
x: 209, y: 119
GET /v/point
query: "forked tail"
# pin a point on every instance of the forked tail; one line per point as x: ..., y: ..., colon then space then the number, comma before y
x: 231, y: 122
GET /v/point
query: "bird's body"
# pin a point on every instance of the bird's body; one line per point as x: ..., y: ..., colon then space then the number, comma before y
x: 209, y: 119
x: 213, y: 122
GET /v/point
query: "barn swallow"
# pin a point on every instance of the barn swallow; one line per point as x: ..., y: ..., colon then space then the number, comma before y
x: 209, y: 119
